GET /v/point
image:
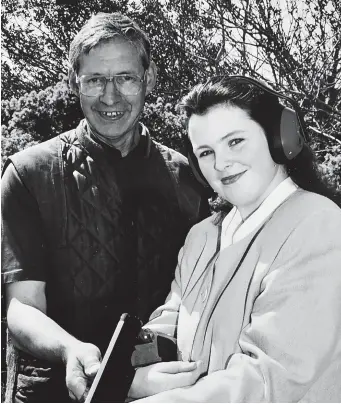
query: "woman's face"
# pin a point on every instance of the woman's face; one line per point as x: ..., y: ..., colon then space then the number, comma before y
x: 234, y: 156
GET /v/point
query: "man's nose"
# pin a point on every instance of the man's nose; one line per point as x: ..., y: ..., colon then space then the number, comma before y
x: 110, y: 94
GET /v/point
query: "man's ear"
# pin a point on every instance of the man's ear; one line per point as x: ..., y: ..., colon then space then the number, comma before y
x: 72, y: 81
x: 151, y: 77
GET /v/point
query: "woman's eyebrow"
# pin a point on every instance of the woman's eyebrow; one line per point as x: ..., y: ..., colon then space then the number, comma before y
x: 222, y: 139
x: 234, y: 132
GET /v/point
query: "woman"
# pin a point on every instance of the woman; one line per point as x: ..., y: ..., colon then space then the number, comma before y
x: 257, y: 292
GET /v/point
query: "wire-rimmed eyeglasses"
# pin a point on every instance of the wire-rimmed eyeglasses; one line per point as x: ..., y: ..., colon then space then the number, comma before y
x: 94, y: 85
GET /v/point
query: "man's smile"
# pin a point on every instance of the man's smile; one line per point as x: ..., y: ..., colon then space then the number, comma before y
x: 111, y: 115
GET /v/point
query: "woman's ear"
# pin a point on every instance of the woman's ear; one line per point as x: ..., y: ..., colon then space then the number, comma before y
x: 72, y: 81
x: 151, y: 77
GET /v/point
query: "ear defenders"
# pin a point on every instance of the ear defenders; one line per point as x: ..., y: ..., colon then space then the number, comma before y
x: 288, y: 134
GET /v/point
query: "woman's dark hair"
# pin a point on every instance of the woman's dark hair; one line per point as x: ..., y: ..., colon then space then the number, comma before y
x: 265, y: 109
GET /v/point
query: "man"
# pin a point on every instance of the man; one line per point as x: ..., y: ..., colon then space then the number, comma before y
x: 92, y: 220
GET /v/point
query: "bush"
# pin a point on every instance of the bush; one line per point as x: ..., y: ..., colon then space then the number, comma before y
x: 331, y: 166
x: 164, y: 123
x: 36, y: 117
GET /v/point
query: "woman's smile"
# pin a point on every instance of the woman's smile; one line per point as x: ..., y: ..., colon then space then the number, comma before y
x: 232, y: 178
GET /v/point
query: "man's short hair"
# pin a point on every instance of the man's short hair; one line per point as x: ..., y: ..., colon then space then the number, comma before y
x: 103, y: 27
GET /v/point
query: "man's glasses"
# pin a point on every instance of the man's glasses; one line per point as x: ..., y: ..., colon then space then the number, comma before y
x: 94, y: 85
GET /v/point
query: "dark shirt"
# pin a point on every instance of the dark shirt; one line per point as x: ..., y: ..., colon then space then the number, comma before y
x: 23, y: 250
x: 152, y: 227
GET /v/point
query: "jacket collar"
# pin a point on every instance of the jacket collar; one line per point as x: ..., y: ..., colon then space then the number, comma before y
x: 94, y: 146
x: 235, y: 229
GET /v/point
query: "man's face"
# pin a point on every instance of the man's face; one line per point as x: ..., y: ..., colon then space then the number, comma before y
x: 112, y: 115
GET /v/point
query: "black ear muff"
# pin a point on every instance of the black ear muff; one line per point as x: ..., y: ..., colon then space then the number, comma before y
x: 193, y: 162
x: 208, y: 191
x: 291, y: 138
x: 286, y: 141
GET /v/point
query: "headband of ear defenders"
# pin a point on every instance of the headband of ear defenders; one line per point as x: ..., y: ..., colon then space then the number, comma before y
x: 296, y: 109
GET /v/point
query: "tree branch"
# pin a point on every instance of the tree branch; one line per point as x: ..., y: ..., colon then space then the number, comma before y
x: 324, y: 134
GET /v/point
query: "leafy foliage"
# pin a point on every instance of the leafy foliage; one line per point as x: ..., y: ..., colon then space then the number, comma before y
x: 36, y: 35
x: 331, y: 165
x: 35, y: 117
x: 294, y: 46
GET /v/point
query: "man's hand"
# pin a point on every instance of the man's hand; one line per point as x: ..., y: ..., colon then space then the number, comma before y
x: 82, y: 363
x: 34, y: 332
x: 153, y: 379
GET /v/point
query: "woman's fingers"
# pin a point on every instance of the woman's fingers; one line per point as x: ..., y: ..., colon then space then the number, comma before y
x: 163, y: 376
x: 183, y: 379
x: 177, y: 367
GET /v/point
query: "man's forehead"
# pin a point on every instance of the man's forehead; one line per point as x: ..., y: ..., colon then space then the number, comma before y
x: 117, y: 53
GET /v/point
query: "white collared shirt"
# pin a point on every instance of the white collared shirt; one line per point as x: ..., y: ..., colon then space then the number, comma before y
x: 233, y: 227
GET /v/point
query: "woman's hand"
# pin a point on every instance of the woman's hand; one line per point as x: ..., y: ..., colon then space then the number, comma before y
x: 163, y: 376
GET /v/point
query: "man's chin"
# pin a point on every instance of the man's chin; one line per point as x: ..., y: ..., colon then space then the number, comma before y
x: 109, y: 135
x: 106, y: 120
x: 107, y: 129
